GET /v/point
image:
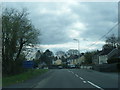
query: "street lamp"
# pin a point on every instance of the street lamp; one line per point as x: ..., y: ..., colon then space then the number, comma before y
x: 78, y: 44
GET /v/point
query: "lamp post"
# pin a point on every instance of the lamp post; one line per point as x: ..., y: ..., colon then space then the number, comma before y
x: 78, y: 44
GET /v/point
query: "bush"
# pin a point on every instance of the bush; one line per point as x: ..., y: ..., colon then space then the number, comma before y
x: 118, y: 67
x: 113, y: 60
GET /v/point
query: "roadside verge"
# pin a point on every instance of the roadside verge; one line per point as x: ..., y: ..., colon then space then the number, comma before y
x: 6, y: 81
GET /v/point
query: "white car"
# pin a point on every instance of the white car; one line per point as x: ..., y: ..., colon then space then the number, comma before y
x: 71, y: 66
x: 45, y: 67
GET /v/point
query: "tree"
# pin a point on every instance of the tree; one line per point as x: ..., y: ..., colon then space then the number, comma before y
x: 113, y: 60
x: 37, y: 58
x: 63, y: 59
x: 47, y: 57
x: 73, y: 52
x: 88, y: 57
x: 107, y: 46
x: 17, y: 32
x: 38, y: 54
x: 60, y: 53
x: 112, y: 41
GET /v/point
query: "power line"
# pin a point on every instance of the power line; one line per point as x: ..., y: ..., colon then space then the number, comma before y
x: 106, y: 34
x: 103, y: 35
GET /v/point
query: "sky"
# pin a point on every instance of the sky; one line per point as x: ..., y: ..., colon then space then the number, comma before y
x: 62, y: 22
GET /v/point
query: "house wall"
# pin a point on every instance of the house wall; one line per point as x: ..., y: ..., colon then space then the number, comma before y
x: 80, y: 60
x: 58, y: 62
x: 103, y: 59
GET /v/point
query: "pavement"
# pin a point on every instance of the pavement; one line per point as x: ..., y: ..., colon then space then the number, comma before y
x: 72, y: 78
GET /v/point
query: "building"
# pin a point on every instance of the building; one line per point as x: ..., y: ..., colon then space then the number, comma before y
x: 58, y: 62
x: 77, y: 61
x: 101, y: 57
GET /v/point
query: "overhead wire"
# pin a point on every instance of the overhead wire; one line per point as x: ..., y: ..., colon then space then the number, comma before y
x: 105, y: 34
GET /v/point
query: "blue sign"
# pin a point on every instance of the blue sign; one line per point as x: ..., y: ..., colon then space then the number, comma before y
x: 28, y: 64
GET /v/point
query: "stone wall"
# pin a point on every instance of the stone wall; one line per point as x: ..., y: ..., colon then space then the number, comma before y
x: 106, y: 67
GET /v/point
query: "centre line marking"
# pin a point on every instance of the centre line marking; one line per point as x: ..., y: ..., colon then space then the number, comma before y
x: 95, y: 85
x: 76, y: 75
x: 84, y: 81
x: 81, y: 78
x: 72, y: 72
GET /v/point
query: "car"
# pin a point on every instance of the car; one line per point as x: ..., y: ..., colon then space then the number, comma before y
x: 45, y: 67
x: 71, y: 66
x: 60, y: 67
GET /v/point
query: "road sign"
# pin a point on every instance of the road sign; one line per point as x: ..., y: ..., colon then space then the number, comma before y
x: 28, y: 64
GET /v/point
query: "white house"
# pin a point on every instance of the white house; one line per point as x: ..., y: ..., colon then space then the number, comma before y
x: 103, y: 59
x: 103, y: 56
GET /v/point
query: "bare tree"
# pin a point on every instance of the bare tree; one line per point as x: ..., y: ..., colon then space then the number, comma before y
x: 17, y: 32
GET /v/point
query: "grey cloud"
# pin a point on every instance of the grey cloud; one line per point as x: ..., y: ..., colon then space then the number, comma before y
x: 98, y: 17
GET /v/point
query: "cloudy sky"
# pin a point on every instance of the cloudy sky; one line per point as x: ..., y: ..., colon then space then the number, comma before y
x: 61, y: 22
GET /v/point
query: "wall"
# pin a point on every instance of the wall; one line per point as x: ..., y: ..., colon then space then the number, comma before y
x: 103, y: 59
x: 106, y: 67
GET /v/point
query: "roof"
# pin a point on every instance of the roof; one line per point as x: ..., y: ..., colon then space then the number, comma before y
x: 98, y: 52
x: 106, y: 52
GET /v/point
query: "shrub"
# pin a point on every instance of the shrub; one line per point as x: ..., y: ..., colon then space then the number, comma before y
x: 113, y: 60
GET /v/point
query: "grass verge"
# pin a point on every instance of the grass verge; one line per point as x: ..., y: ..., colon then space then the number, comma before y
x: 6, y: 81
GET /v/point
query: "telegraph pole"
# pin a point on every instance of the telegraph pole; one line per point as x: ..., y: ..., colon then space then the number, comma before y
x: 119, y: 22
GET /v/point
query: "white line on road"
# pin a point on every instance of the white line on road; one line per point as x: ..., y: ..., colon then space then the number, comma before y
x: 72, y: 72
x: 95, y: 85
x: 81, y: 78
x: 76, y: 75
x: 84, y: 82
x: 69, y: 71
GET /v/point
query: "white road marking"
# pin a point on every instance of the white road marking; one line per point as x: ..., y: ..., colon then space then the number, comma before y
x: 72, y: 72
x: 95, y: 85
x: 76, y: 75
x: 69, y: 71
x: 87, y: 81
x: 81, y: 78
x: 84, y: 82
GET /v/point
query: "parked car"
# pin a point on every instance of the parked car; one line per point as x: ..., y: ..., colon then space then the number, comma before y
x: 71, y: 66
x: 45, y: 67
x: 60, y: 67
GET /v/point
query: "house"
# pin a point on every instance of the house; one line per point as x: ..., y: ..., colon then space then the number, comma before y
x: 58, y: 62
x: 81, y: 59
x: 107, y: 54
x: 95, y: 58
x: 101, y: 57
x: 78, y: 60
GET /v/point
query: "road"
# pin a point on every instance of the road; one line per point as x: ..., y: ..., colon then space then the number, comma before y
x: 72, y: 78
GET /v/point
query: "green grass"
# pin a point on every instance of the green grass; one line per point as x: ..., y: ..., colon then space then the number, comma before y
x: 0, y: 82
x: 22, y: 77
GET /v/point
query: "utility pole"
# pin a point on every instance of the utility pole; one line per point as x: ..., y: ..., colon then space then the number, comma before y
x: 118, y: 23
